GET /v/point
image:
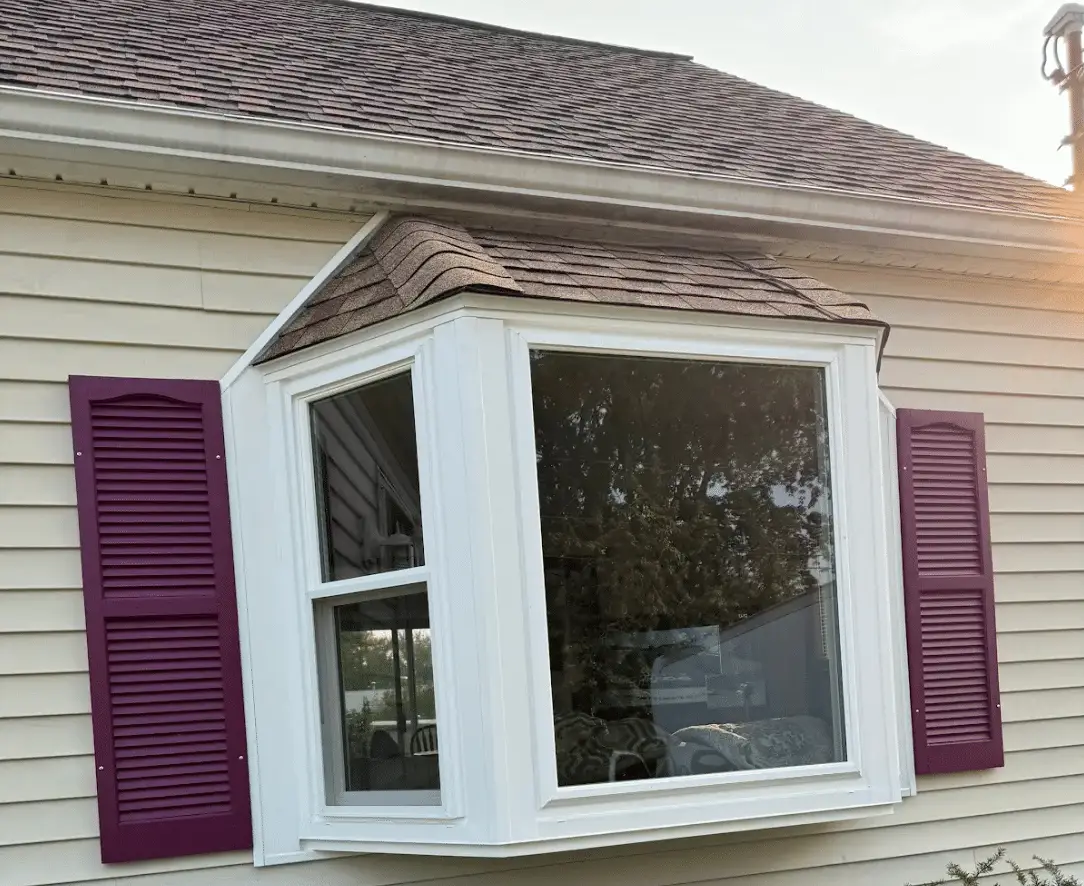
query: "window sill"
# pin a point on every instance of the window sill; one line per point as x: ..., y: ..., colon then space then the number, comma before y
x: 525, y: 848
x: 675, y: 810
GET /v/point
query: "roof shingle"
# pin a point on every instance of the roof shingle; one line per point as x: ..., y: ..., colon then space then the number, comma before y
x: 400, y: 73
x: 413, y: 261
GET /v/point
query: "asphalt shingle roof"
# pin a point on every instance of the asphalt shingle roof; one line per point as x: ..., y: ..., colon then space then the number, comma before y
x: 413, y: 261
x: 399, y: 73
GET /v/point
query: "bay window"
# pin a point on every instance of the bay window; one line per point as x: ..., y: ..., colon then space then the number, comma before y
x: 519, y: 581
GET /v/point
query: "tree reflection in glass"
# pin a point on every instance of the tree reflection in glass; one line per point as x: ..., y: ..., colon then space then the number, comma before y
x: 686, y: 535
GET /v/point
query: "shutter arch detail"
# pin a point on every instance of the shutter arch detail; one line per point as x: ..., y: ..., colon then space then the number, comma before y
x: 162, y: 633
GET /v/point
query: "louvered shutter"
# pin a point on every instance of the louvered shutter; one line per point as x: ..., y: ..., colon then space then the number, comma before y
x: 158, y: 586
x: 949, y: 591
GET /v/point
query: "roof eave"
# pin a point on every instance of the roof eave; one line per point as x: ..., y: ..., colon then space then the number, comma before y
x: 80, y: 128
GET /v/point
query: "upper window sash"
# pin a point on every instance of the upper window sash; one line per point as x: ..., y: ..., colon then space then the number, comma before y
x: 307, y: 481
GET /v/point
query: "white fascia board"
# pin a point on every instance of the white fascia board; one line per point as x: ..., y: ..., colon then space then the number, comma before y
x: 334, y: 265
x: 377, y: 164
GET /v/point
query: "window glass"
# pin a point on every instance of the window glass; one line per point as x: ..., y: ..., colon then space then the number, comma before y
x: 386, y: 700
x: 366, y: 468
x: 686, y: 535
x: 377, y: 688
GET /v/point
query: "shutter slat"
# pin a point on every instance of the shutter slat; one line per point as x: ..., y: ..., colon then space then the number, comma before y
x: 179, y: 767
x: 166, y: 705
x: 195, y: 708
x: 151, y: 733
x: 948, y: 586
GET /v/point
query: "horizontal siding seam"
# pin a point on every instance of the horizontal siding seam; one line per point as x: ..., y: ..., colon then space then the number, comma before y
x: 148, y: 307
x: 212, y: 349
x: 67, y: 755
x: 157, y: 265
x: 188, y: 229
x: 982, y: 393
x: 907, y: 273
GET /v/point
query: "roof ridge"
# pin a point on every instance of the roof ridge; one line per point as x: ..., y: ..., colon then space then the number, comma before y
x: 473, y: 24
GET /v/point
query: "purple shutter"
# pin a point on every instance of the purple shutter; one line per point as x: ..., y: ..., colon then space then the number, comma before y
x: 158, y: 586
x: 949, y: 591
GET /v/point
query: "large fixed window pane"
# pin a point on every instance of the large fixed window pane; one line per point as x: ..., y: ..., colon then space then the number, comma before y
x: 377, y: 686
x: 690, y: 595
x: 366, y: 469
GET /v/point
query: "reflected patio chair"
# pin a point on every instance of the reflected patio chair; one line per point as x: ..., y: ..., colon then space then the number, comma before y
x: 424, y: 740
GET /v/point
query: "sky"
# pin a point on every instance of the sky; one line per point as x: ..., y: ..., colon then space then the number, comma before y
x: 961, y: 73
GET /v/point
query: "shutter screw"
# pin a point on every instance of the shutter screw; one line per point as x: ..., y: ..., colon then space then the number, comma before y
x: 218, y: 456
x: 101, y: 769
x: 78, y: 453
x: 243, y: 756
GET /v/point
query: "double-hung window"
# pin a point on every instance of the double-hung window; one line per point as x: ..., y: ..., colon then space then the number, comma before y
x: 372, y: 606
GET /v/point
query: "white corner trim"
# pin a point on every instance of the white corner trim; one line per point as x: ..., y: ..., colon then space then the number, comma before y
x: 338, y: 260
x: 901, y: 682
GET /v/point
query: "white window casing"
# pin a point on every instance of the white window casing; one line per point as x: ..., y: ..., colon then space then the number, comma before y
x: 469, y: 363
x: 895, y: 580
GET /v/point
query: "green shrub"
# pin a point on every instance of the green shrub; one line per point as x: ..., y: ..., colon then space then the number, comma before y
x: 359, y: 731
x: 1048, y: 875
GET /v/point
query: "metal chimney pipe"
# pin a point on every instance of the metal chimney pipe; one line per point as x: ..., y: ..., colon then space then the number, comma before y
x: 1067, y: 25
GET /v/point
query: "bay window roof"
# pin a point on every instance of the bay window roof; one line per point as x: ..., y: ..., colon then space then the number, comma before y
x: 413, y: 261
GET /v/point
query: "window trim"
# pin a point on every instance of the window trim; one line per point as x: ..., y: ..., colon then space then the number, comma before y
x: 894, y: 543
x: 765, y: 347
x: 523, y: 339
x: 469, y: 397
x: 291, y: 401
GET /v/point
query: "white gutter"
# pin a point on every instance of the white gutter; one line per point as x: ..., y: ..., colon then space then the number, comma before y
x: 78, y: 127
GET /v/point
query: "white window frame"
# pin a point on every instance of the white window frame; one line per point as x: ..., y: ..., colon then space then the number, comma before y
x: 894, y: 544
x: 406, y: 803
x: 323, y: 594
x: 469, y: 361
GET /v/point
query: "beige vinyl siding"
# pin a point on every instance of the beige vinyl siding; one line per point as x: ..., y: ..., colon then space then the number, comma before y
x: 100, y: 282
